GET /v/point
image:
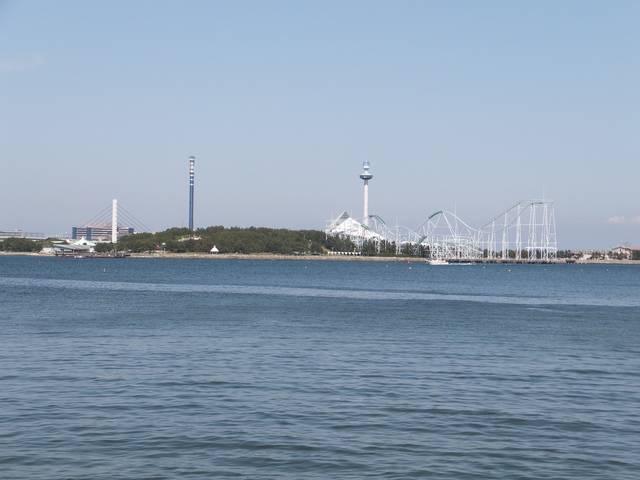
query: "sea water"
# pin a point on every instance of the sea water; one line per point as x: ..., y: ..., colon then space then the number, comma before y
x: 242, y: 369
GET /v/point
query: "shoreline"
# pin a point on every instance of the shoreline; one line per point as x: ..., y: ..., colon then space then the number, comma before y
x: 332, y: 258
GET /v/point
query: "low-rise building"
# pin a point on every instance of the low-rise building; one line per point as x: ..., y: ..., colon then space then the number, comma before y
x: 625, y: 250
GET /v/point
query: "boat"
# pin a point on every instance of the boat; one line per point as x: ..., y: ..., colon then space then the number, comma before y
x: 437, y: 261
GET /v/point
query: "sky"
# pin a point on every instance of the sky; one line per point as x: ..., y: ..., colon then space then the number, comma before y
x: 458, y: 105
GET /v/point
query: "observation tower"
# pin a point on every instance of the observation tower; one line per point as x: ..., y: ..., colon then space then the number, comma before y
x: 192, y: 161
x: 366, y: 176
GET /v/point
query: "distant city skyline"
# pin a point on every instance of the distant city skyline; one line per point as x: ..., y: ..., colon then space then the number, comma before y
x: 461, y: 106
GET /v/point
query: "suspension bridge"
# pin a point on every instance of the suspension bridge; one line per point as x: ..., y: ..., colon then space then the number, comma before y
x: 113, y: 221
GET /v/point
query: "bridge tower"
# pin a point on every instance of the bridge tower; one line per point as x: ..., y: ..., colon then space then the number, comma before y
x: 114, y: 221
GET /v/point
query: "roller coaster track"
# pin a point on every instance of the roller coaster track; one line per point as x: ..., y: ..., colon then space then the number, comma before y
x: 524, y: 232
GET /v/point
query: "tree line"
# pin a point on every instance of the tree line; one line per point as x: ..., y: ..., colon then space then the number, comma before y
x: 254, y: 240
x: 19, y: 244
x: 231, y: 240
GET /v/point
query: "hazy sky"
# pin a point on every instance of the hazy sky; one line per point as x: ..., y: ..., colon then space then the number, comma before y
x: 469, y: 106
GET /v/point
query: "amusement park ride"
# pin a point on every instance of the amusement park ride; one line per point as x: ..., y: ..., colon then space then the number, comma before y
x: 525, y: 232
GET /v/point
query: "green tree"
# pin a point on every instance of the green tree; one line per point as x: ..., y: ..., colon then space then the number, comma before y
x: 16, y: 244
x: 407, y: 249
x: 104, y: 247
x: 369, y: 248
x: 248, y: 240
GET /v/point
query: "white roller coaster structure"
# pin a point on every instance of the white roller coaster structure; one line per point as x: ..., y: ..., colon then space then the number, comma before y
x: 524, y: 232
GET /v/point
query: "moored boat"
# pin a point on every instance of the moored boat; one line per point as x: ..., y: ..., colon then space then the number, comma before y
x: 437, y: 261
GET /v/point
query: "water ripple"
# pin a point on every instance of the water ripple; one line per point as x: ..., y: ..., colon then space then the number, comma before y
x: 346, y: 293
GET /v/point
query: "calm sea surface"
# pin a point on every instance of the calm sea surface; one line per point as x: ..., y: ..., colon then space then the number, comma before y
x: 243, y: 369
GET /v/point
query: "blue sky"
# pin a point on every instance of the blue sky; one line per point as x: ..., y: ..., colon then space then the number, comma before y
x: 458, y: 105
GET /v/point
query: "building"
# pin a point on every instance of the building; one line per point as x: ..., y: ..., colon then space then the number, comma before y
x: 98, y: 231
x: 63, y: 249
x: 21, y: 234
x: 625, y: 250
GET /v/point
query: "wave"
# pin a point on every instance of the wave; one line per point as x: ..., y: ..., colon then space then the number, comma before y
x: 358, y: 294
